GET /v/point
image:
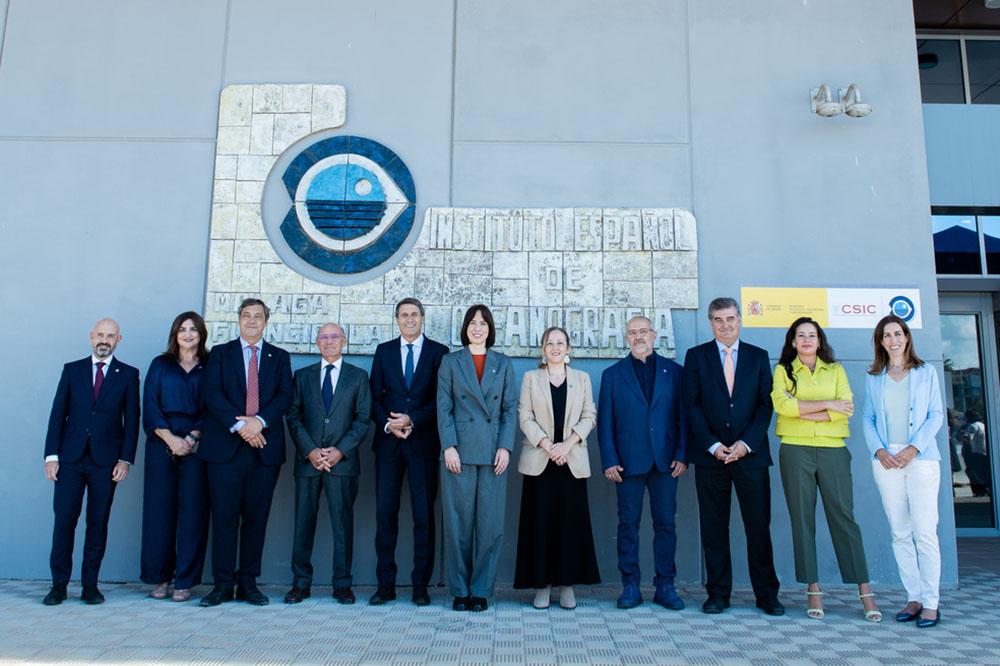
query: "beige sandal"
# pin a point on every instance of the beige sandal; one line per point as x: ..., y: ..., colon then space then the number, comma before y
x: 815, y: 613
x: 871, y: 615
x: 160, y: 591
x: 181, y: 595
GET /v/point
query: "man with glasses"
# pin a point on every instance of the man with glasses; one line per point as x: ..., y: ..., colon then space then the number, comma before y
x: 641, y: 433
x: 404, y: 399
x: 331, y: 409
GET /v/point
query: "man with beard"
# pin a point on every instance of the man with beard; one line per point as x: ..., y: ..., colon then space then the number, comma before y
x: 89, y: 448
x: 640, y: 430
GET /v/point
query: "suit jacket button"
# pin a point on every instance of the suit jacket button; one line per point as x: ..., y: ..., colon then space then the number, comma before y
x: 727, y: 425
x: 326, y: 420
x: 489, y: 420
x: 471, y: 419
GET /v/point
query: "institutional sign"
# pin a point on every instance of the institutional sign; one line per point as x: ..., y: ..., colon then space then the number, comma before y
x: 777, y: 307
x: 323, y: 225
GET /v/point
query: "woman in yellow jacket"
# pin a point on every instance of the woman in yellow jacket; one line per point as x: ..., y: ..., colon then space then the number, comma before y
x: 813, y: 401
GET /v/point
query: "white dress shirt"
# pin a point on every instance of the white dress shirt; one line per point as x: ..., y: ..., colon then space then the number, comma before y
x: 93, y: 379
x: 334, y: 374
x: 246, y: 375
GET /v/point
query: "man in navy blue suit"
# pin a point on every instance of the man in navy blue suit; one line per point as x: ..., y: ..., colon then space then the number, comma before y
x: 641, y: 433
x: 248, y: 389
x: 727, y: 403
x: 404, y: 392
x: 89, y: 448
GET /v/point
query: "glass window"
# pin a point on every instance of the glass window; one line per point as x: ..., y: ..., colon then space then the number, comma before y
x: 991, y: 239
x: 983, y: 57
x: 956, y: 244
x: 940, y: 62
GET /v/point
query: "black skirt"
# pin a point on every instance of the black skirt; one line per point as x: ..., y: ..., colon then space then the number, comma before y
x: 555, y: 545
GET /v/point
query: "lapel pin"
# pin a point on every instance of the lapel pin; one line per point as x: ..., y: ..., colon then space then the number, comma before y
x: 269, y: 354
x: 116, y: 369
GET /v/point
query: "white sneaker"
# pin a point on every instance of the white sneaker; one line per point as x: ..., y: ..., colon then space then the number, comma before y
x: 542, y: 597
x: 566, y: 597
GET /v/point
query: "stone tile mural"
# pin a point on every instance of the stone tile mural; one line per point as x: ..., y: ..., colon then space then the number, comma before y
x: 587, y: 269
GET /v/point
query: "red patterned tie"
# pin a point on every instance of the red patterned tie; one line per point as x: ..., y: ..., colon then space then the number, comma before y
x: 98, y: 379
x: 253, y: 392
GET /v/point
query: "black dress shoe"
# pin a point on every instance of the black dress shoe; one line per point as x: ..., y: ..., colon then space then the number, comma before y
x: 382, y: 596
x: 218, y: 595
x: 714, y: 605
x: 56, y: 595
x: 250, y: 593
x: 461, y: 603
x: 343, y: 595
x: 903, y: 616
x: 420, y: 596
x: 297, y: 595
x: 771, y: 606
x: 478, y: 604
x: 924, y: 623
x: 91, y: 595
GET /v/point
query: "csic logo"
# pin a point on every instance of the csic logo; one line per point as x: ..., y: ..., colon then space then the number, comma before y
x: 352, y: 204
x: 902, y: 307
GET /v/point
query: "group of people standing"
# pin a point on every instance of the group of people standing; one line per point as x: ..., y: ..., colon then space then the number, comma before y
x: 447, y: 422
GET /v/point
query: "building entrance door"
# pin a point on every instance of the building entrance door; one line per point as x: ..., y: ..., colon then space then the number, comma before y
x: 969, y: 327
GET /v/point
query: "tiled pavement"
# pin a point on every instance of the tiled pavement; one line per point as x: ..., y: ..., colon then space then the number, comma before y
x: 130, y: 628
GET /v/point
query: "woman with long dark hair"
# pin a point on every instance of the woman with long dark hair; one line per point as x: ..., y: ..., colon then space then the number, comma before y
x: 903, y: 413
x: 555, y: 543
x: 477, y: 422
x: 175, y: 507
x: 814, y: 403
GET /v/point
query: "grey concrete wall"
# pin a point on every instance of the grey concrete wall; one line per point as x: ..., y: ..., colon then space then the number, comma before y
x: 106, y: 126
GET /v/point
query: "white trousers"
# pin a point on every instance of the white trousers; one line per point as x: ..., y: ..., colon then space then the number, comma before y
x: 910, y: 498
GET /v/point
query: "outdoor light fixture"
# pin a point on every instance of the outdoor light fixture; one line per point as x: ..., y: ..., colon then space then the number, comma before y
x: 992, y: 4
x: 823, y: 104
x: 850, y: 99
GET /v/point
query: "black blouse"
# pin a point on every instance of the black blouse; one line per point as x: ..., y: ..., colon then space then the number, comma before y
x: 558, y: 410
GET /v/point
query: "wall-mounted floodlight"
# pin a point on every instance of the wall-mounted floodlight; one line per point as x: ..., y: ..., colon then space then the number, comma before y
x: 822, y: 102
x: 851, y: 100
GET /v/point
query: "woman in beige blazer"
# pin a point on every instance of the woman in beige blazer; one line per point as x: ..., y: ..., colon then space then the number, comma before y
x: 555, y: 545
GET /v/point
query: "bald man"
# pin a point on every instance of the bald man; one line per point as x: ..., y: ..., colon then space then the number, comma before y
x: 329, y: 418
x: 89, y: 448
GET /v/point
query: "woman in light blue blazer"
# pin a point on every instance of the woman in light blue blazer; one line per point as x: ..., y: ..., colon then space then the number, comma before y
x: 477, y: 422
x: 903, y: 413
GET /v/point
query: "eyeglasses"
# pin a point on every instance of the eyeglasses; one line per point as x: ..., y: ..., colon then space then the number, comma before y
x: 328, y: 337
x: 640, y: 332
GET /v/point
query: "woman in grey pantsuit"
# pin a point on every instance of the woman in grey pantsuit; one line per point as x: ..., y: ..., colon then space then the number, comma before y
x: 477, y: 421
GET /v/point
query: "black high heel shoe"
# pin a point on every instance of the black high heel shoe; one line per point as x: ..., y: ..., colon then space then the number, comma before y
x: 904, y: 616
x: 924, y: 623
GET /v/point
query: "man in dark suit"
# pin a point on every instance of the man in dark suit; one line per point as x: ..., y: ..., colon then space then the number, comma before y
x: 89, y: 448
x: 329, y: 420
x: 641, y: 434
x: 727, y: 402
x: 248, y: 389
x: 404, y: 390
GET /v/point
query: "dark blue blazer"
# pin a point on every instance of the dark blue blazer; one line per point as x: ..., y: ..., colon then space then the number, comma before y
x: 226, y: 398
x: 111, y: 424
x: 713, y: 416
x: 389, y: 394
x: 636, y: 435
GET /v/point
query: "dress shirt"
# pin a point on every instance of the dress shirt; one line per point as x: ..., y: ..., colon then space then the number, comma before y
x: 334, y: 375
x: 246, y: 374
x: 418, y: 344
x: 722, y: 360
x: 645, y: 373
x: 93, y: 377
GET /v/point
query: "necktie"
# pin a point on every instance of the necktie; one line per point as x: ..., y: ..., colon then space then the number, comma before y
x: 253, y: 390
x: 408, y: 366
x: 98, y: 379
x: 328, y: 387
x: 729, y: 369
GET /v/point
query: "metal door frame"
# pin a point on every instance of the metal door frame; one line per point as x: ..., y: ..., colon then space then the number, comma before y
x: 981, y: 304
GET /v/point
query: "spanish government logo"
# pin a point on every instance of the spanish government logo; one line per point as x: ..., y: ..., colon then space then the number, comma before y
x: 351, y: 204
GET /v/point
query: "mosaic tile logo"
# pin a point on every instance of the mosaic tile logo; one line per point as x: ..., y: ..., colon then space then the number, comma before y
x: 353, y: 204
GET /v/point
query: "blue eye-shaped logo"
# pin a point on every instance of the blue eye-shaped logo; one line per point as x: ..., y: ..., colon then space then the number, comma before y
x: 902, y: 307
x: 353, y: 204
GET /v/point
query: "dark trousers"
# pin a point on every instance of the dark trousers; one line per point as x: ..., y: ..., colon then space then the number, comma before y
x: 75, y: 478
x: 241, y: 490
x: 175, y: 512
x: 715, y: 485
x: 341, y: 491
x: 804, y: 469
x: 422, y: 475
x: 663, y: 506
